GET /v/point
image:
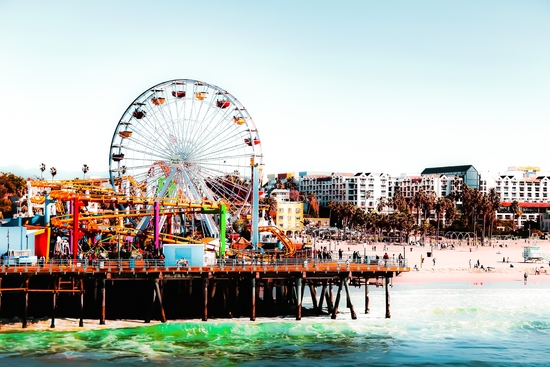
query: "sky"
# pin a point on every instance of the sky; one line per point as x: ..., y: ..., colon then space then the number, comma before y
x: 332, y: 86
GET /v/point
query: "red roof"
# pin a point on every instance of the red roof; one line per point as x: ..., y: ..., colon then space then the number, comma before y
x: 529, y: 205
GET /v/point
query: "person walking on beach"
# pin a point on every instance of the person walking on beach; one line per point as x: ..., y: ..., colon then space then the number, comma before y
x: 470, y: 263
x: 434, y: 261
x: 525, y: 276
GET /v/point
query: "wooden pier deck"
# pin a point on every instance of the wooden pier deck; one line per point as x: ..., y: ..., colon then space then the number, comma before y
x: 118, y: 289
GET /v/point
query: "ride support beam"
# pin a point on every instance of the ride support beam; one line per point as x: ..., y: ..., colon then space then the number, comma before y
x: 223, y: 222
x: 76, y: 218
x: 156, y: 224
x: 255, y: 203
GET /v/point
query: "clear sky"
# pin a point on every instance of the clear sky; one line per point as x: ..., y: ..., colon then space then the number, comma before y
x: 348, y: 86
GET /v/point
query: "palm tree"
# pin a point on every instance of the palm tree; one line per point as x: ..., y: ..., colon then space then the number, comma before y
x: 382, y: 203
x: 418, y: 201
x: 440, y: 207
x: 291, y: 184
x: 476, y: 202
x: 484, y: 209
x: 450, y: 213
x: 406, y: 224
x: 516, y: 211
x: 348, y: 211
x: 471, y: 202
x: 42, y: 169
x: 53, y: 172
x: 270, y: 204
x: 494, y: 199
x: 399, y: 202
x: 334, y: 208
x: 313, y: 207
x: 279, y: 184
x: 238, y: 225
x: 85, y: 169
x: 428, y: 205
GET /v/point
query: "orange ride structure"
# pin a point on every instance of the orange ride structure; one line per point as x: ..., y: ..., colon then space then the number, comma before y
x: 90, y: 208
x: 77, y: 215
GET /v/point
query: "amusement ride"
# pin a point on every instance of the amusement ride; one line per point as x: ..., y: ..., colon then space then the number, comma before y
x: 184, y: 164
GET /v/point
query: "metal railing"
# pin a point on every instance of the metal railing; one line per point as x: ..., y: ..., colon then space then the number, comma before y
x: 109, y: 265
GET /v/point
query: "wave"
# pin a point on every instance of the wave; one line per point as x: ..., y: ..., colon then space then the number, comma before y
x: 465, y: 326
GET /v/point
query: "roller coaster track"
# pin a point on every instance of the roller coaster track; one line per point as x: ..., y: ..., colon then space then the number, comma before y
x: 94, y: 191
x: 89, y: 224
x: 287, y: 243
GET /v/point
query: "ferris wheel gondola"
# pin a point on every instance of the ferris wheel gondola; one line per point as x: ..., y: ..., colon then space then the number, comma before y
x: 188, y: 139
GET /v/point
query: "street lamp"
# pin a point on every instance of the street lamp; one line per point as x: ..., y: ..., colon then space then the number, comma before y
x: 42, y: 169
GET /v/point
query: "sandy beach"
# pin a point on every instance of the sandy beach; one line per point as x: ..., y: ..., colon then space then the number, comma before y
x: 502, y: 261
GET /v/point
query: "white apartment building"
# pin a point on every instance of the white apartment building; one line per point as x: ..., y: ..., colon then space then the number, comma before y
x: 526, y: 185
x: 361, y: 189
x: 438, y: 184
x: 529, y: 188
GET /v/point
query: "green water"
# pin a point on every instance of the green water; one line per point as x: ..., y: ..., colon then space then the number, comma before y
x: 506, y: 325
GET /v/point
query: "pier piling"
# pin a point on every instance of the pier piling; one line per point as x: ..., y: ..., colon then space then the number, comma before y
x: 225, y: 291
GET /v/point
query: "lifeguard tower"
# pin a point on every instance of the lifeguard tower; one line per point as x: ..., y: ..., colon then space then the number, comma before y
x: 532, y: 253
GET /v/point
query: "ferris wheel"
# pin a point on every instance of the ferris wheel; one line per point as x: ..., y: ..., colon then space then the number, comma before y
x: 187, y: 139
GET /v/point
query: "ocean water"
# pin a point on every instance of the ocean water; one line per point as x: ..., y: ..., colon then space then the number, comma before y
x: 431, y: 324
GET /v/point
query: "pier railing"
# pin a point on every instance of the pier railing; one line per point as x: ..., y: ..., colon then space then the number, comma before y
x: 136, y: 265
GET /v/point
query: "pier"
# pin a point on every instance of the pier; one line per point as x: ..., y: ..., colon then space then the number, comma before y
x: 149, y: 290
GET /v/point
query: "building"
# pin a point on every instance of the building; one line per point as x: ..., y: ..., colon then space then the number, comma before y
x: 439, y: 184
x: 362, y: 189
x: 528, y: 187
x: 467, y: 173
x: 289, y: 215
